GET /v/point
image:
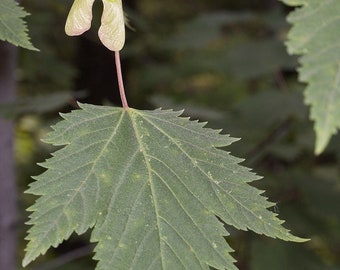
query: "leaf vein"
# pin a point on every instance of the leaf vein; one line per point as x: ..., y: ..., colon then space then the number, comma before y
x: 138, y: 137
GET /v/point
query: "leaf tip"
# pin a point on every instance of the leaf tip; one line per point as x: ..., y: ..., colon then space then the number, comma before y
x: 297, y: 239
x: 30, y: 47
x: 31, y: 255
x: 322, y: 140
x: 24, y: 263
x: 27, y: 259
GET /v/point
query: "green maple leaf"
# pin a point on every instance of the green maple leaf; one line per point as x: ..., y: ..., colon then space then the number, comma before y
x: 315, y: 35
x: 151, y: 185
x: 12, y: 26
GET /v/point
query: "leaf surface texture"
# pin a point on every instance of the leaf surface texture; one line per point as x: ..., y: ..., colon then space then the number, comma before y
x: 151, y: 184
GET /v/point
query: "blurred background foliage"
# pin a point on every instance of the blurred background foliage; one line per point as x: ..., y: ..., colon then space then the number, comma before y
x: 224, y: 62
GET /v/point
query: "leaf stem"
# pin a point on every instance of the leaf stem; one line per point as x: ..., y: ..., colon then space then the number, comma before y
x: 120, y: 81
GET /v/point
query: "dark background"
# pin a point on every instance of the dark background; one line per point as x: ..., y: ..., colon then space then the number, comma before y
x: 224, y: 62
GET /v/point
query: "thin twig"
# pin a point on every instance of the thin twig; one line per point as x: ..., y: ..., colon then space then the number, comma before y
x: 120, y: 81
x: 280, y: 81
x: 271, y: 138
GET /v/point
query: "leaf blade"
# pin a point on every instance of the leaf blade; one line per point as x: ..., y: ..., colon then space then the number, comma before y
x: 157, y: 184
x: 315, y: 37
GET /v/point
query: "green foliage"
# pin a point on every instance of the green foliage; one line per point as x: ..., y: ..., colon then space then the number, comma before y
x: 40, y: 73
x: 293, y: 256
x: 258, y: 58
x: 315, y: 36
x: 209, y: 26
x: 12, y: 26
x: 197, y: 57
x: 36, y: 104
x: 150, y: 184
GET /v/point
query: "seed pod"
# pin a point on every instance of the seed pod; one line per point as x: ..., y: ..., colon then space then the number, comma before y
x: 112, y: 29
x: 79, y: 18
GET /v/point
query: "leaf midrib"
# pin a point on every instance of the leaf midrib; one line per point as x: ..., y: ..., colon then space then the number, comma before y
x: 212, y: 183
x: 152, y: 188
x: 173, y: 193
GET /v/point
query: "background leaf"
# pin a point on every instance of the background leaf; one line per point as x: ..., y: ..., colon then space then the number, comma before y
x: 12, y: 26
x: 315, y: 35
x: 151, y: 184
x: 271, y: 255
x: 35, y: 104
x: 259, y: 58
